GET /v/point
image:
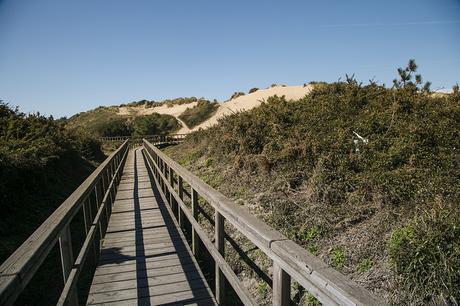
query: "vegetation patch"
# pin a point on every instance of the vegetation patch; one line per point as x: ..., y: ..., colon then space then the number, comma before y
x: 337, y: 258
x: 236, y: 94
x: 154, y: 124
x: 199, y: 113
x: 358, y: 162
x: 426, y: 253
x: 365, y: 265
x: 41, y: 164
x: 105, y: 122
x: 167, y: 102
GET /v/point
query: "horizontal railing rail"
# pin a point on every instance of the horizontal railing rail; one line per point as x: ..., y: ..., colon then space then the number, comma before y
x: 289, y: 259
x: 94, y: 199
x: 162, y: 138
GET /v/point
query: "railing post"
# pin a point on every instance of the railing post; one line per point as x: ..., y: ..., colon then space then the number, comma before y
x: 281, y: 286
x: 91, y: 197
x: 181, y: 196
x: 87, y: 214
x: 104, y: 191
x: 171, y: 197
x: 220, y: 245
x: 99, y: 191
x: 195, y: 238
x: 65, y: 247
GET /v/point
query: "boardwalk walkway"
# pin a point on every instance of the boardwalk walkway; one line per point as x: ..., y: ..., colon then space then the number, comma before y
x: 145, y: 259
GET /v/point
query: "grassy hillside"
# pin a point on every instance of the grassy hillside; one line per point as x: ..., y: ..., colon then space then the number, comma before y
x: 41, y: 163
x: 104, y: 121
x: 199, y: 113
x: 365, y: 177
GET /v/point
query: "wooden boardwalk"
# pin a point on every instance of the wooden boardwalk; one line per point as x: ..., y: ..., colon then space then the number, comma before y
x: 145, y: 259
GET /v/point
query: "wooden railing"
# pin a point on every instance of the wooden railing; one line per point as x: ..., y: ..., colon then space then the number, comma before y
x: 152, y: 138
x: 94, y: 199
x: 289, y: 259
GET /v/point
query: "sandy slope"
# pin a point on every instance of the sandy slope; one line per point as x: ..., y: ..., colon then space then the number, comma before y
x: 242, y: 103
x: 252, y: 100
x: 175, y: 110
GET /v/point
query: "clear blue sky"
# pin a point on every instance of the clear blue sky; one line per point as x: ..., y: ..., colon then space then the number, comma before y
x: 61, y: 57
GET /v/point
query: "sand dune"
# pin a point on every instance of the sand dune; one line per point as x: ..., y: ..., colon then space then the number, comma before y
x: 175, y: 110
x: 252, y: 100
x: 242, y: 103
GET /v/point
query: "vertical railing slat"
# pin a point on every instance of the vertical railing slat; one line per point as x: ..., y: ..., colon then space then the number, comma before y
x: 195, y: 238
x: 219, y: 228
x: 65, y: 247
x: 180, y: 183
x: 281, y: 286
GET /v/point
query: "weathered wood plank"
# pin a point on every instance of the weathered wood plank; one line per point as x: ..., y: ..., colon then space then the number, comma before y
x: 131, y: 266
x: 174, y: 298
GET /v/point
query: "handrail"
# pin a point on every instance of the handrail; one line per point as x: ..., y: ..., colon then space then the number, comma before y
x: 97, y: 190
x: 289, y: 259
x: 163, y: 138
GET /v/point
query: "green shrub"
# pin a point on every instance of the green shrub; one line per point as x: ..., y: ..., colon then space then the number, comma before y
x: 406, y: 160
x: 308, y: 234
x: 426, y: 253
x: 199, y: 113
x: 337, y: 258
x: 208, y: 162
x: 236, y: 95
x: 154, y: 124
x: 253, y: 90
x: 263, y: 288
x: 106, y: 121
x: 313, y: 248
x: 410, y: 152
x: 312, y: 300
x: 37, y: 154
x: 114, y: 127
x: 365, y: 265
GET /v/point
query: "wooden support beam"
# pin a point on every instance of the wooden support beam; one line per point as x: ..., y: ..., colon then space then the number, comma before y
x: 220, y: 245
x: 171, y: 198
x: 195, y: 238
x: 181, y: 196
x: 65, y: 247
x: 87, y: 214
x: 281, y: 286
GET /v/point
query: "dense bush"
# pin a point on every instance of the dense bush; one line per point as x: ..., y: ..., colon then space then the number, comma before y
x: 236, y: 95
x: 426, y: 252
x: 253, y: 90
x: 154, y: 124
x: 199, y: 113
x: 168, y: 102
x: 114, y: 127
x: 107, y: 122
x: 412, y: 138
x: 351, y: 151
x: 39, y: 162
